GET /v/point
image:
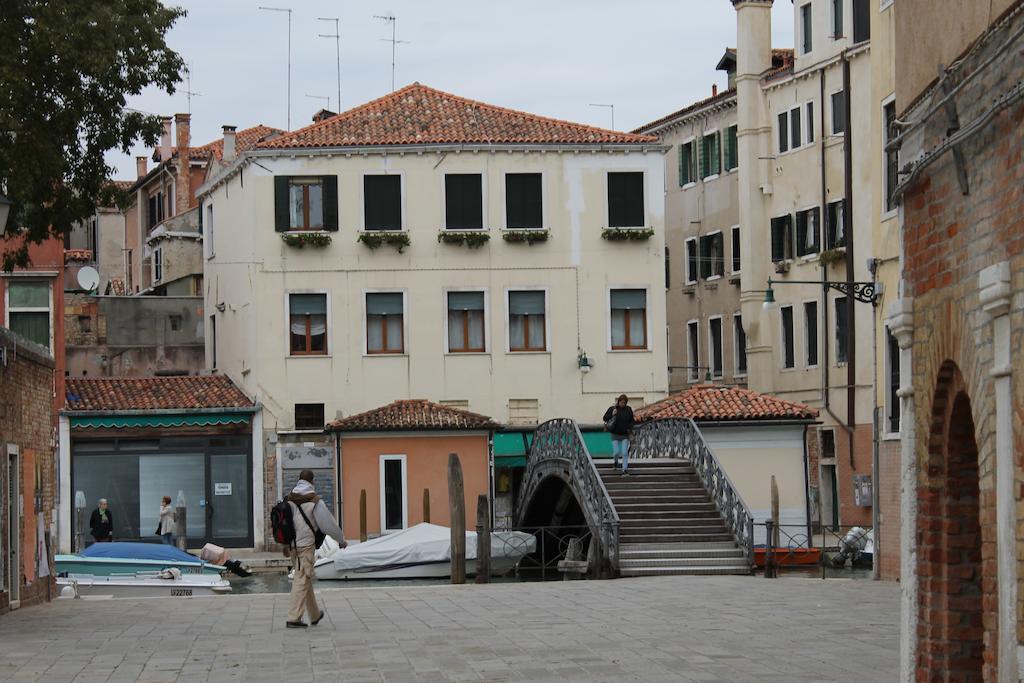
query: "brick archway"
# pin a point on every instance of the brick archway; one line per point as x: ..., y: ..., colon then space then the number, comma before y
x: 955, y: 595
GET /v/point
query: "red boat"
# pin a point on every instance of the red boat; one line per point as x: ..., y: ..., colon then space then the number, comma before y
x: 788, y: 557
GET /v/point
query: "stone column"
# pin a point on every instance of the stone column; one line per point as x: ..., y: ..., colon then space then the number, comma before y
x: 901, y: 324
x: 994, y: 294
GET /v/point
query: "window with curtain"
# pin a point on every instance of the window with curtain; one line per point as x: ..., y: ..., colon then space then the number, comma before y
x: 836, y: 231
x: 808, y: 239
x: 526, y: 321
x: 629, y: 318
x: 463, y: 201
x: 305, y: 204
x: 466, y: 322
x: 382, y: 202
x: 626, y: 200
x: 524, y: 202
x: 307, y: 319
x: 28, y: 311
x: 384, y: 323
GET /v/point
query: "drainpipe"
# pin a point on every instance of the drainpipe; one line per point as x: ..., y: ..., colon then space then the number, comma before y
x: 876, y: 573
x: 851, y: 337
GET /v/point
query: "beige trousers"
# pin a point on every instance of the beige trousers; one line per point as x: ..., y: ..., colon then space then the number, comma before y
x: 302, y: 597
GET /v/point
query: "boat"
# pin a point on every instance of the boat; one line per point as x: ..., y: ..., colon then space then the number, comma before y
x: 788, y: 557
x: 169, y: 583
x: 422, y: 551
x: 117, y: 559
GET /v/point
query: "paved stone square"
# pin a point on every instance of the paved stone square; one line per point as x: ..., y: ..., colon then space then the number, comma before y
x: 726, y: 629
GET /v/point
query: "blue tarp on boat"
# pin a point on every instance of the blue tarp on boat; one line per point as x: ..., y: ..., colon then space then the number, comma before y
x: 139, y: 551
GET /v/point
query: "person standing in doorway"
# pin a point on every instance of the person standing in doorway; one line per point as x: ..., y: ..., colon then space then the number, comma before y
x: 618, y: 420
x: 101, y: 523
x: 166, y: 526
x: 311, y: 518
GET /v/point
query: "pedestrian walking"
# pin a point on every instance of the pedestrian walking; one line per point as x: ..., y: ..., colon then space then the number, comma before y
x: 165, y: 527
x: 618, y: 420
x: 312, y: 521
x: 101, y: 523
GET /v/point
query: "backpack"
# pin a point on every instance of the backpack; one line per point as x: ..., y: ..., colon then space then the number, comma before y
x: 281, y: 523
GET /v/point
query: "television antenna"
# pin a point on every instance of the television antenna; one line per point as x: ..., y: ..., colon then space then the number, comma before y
x: 189, y: 93
x: 612, y: 108
x: 289, y: 11
x: 321, y: 97
x: 337, y: 47
x: 393, y: 40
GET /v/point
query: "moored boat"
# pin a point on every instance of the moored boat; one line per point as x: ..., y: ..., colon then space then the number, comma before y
x: 788, y: 557
x: 115, y: 559
x: 164, y: 584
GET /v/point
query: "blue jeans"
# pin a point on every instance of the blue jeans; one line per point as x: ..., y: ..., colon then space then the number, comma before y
x: 620, y: 447
x: 166, y: 538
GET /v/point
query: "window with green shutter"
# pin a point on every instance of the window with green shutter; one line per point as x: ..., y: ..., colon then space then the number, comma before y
x: 687, y: 163
x: 710, y: 155
x: 731, y: 149
x: 303, y: 203
x: 782, y: 238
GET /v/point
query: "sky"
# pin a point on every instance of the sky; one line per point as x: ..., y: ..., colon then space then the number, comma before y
x: 550, y: 57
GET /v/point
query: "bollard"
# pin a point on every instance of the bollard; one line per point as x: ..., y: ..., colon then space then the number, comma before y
x: 457, y: 513
x: 426, y: 505
x: 483, y: 540
x: 770, y: 571
x: 362, y: 516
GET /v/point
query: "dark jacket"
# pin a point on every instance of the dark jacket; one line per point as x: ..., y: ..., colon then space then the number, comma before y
x: 622, y: 421
x: 98, y: 527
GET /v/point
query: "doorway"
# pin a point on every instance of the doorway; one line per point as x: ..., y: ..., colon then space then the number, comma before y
x: 829, y: 497
x: 393, y: 499
x: 13, y: 527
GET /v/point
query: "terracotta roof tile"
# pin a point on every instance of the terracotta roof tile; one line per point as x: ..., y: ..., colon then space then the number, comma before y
x: 417, y: 115
x: 154, y: 393
x: 412, y: 414
x: 709, y: 403
x: 244, y: 139
x: 723, y: 96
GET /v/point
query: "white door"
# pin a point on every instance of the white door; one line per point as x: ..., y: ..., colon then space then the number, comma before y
x: 394, y: 509
x: 13, y: 527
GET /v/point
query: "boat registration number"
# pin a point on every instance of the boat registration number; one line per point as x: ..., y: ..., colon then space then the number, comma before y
x: 181, y: 592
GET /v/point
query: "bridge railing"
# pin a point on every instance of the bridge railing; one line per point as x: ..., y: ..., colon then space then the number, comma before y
x: 560, y: 439
x: 677, y: 437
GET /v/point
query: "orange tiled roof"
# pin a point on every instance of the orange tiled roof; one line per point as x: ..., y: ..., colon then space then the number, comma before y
x: 244, y: 139
x: 417, y: 115
x: 154, y: 393
x: 707, y: 402
x: 412, y: 414
x: 689, y: 109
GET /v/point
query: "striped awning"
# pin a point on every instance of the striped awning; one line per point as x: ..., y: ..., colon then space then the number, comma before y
x: 176, y: 420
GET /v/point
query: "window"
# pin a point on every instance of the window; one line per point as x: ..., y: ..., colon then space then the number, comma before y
x: 158, y: 264
x: 305, y: 203
x: 629, y: 318
x: 173, y: 319
x: 28, y: 309
x: 837, y: 18
x: 891, y: 157
x: 208, y: 231
x: 668, y: 269
x: 828, y: 444
x: 838, y: 112
x: 393, y: 494
x: 791, y: 129
x: 836, y: 230
x: 788, y: 349
x: 740, y: 344
x: 810, y: 122
x: 710, y: 157
x: 811, y: 330
x: 782, y: 238
x: 463, y: 201
x: 795, y: 129
x: 783, y: 132
x: 524, y: 203
x: 806, y: 34
x: 523, y: 411
x: 842, y: 322
x: 156, y: 210
x: 715, y: 337
x: 691, y: 260
x: 626, y: 200
x: 692, y: 348
x: 385, y: 313
x: 466, y: 322
x: 382, y: 202
x: 893, y: 349
x: 735, y: 248
x: 861, y: 21
x: 712, y: 255
x: 687, y: 163
x: 309, y: 416
x: 732, y: 150
x: 526, y: 321
x: 307, y: 324
x: 808, y: 231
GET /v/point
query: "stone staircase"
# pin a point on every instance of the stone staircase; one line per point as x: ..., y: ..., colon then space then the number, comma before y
x: 667, y: 522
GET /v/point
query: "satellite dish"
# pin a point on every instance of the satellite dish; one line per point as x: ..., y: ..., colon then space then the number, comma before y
x: 88, y: 278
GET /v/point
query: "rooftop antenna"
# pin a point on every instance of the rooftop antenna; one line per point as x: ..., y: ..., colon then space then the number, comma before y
x: 189, y: 93
x: 394, y: 41
x: 289, y: 11
x: 321, y: 97
x: 609, y: 106
x: 337, y: 47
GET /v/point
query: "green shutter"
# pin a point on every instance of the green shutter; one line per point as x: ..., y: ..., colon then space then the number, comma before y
x: 330, y: 184
x: 702, y: 167
x: 281, y: 203
x: 682, y: 165
x: 716, y: 153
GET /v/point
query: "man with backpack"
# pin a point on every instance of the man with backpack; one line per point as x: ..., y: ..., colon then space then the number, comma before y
x: 310, y: 522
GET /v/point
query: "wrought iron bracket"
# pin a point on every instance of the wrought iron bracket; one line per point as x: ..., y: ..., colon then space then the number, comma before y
x: 865, y: 292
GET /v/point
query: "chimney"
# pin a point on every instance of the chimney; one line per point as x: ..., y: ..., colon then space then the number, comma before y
x: 229, y: 143
x: 183, y: 198
x: 714, y: 90
x: 182, y: 123
x: 140, y: 167
x: 165, y: 140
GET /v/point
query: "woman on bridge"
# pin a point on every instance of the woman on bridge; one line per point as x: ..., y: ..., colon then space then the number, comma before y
x: 618, y: 420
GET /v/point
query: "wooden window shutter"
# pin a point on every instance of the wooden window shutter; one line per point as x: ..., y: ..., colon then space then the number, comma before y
x: 281, y: 203
x: 780, y: 236
x: 705, y: 257
x: 682, y: 166
x: 330, y: 184
x: 702, y: 158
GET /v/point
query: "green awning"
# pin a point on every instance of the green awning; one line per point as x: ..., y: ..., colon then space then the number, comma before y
x: 510, y: 451
x: 186, y: 420
x: 598, y: 443
x: 510, y: 461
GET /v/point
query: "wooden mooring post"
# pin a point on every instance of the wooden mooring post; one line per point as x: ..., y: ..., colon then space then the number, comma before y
x: 483, y: 539
x: 426, y: 506
x: 771, y: 570
x: 362, y: 516
x: 457, y: 511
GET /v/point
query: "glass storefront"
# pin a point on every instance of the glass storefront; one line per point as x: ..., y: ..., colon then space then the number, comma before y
x: 214, y: 473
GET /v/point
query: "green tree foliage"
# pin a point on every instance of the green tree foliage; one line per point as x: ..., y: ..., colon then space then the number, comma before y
x: 66, y: 69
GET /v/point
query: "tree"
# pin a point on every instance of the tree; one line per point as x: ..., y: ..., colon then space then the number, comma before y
x: 66, y: 70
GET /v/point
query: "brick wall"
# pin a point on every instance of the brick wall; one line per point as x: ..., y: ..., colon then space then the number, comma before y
x: 889, y: 509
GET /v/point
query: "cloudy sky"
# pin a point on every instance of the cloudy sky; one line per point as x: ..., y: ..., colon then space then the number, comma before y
x: 550, y: 57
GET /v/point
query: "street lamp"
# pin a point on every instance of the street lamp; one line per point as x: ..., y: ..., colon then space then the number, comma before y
x: 5, y: 210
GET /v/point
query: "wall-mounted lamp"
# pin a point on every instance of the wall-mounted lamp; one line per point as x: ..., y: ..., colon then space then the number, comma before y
x: 583, y: 362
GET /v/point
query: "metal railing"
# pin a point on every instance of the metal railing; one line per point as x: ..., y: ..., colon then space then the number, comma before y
x: 837, y: 547
x: 677, y: 437
x: 552, y: 544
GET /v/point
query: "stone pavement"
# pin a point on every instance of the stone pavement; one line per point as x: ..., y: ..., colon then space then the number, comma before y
x: 676, y: 628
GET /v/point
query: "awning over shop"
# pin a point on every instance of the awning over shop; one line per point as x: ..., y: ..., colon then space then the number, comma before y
x: 510, y: 447
x: 185, y: 420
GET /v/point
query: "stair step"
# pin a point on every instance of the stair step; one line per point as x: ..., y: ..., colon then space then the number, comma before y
x: 658, y: 563
x: 718, y: 553
x: 672, y: 547
x: 690, y: 570
x: 664, y: 512
x: 673, y: 537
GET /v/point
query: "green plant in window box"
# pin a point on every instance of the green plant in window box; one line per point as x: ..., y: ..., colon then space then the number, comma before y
x: 302, y: 239
x: 528, y: 236
x: 376, y: 238
x: 830, y: 256
x: 627, y: 234
x: 474, y: 239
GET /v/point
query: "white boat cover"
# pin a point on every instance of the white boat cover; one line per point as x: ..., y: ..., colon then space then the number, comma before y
x: 424, y: 544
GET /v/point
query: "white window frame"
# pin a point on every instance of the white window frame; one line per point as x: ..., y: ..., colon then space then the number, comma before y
x: 543, y: 200
x: 608, y: 314
x: 288, y: 323
x: 714, y: 276
x: 888, y: 363
x: 721, y: 164
x: 803, y: 28
x: 607, y: 199
x: 732, y: 257
x: 507, y: 327
x: 890, y: 213
x: 832, y: 21
x: 817, y: 340
x: 692, y: 140
x: 158, y: 264
x: 17, y: 277
x: 405, y: 321
x: 484, y: 204
x: 686, y: 260
x: 211, y: 250
x: 832, y: 115
x: 711, y: 347
x: 782, y: 340
x: 736, y: 348
x: 405, y: 493
x: 487, y: 320
x: 362, y: 200
x: 693, y: 355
